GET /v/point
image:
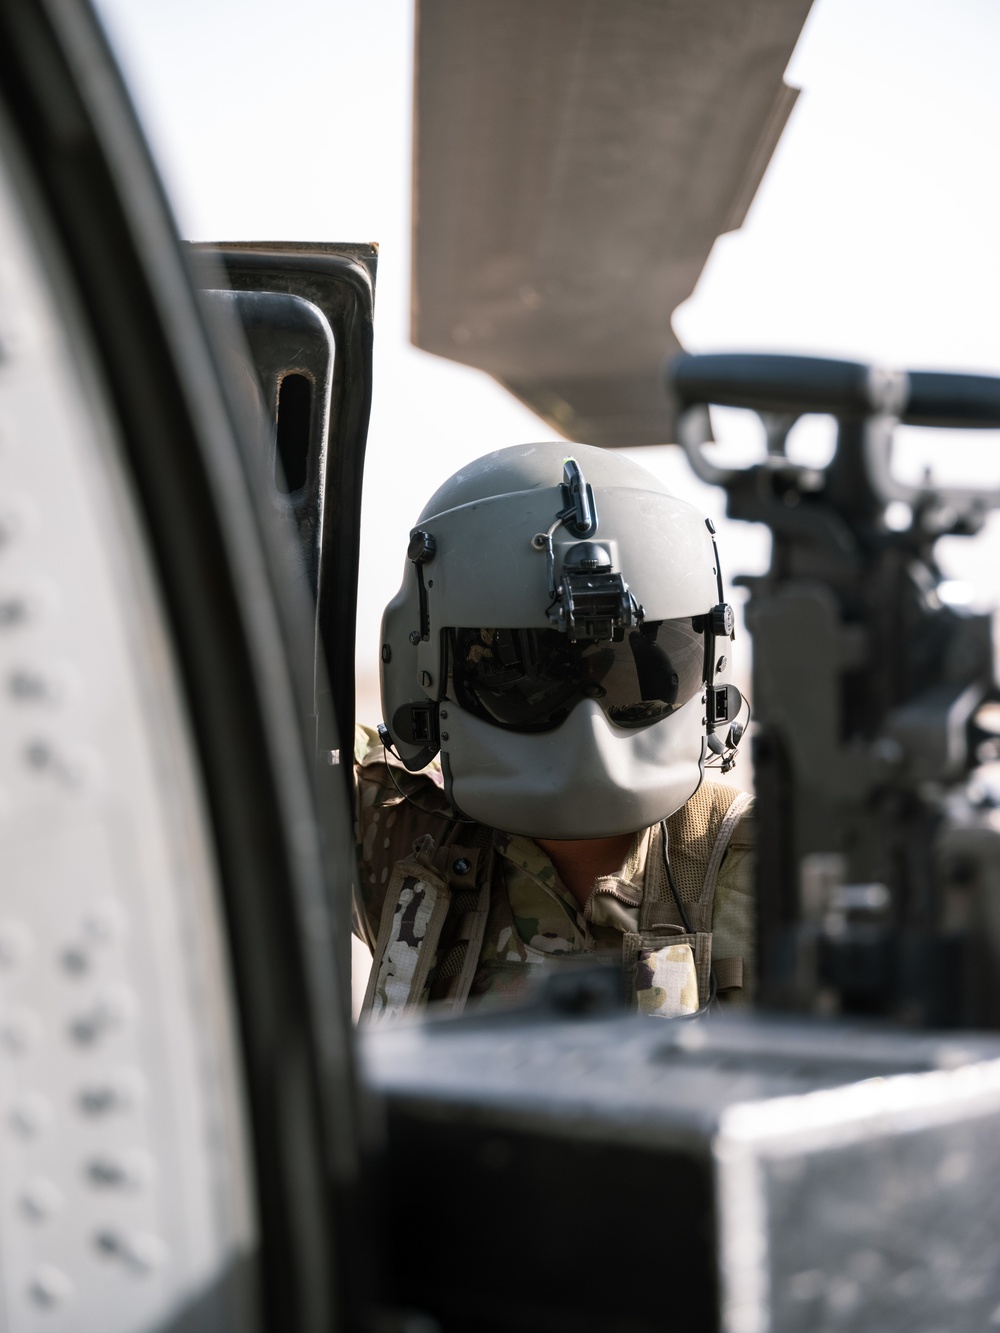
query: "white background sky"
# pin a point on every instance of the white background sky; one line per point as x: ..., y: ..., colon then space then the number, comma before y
x: 874, y: 234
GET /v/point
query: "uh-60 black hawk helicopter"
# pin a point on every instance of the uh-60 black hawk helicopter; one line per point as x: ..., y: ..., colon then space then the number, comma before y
x: 193, y: 1137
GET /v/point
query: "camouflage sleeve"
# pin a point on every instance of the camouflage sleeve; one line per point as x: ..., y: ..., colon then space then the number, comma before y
x: 392, y: 809
x: 734, y: 915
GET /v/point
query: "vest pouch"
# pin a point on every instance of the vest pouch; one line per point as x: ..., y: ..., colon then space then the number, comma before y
x: 668, y: 976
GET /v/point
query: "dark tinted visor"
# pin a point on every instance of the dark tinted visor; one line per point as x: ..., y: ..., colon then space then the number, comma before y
x: 530, y: 679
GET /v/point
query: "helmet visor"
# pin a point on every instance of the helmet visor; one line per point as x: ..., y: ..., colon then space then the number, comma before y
x: 530, y: 679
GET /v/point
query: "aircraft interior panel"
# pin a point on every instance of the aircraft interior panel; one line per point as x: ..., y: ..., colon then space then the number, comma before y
x: 126, y: 1180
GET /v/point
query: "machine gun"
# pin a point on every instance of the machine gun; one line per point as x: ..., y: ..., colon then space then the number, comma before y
x: 879, y: 872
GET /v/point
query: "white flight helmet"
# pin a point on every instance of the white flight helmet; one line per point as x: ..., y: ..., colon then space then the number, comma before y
x: 555, y: 638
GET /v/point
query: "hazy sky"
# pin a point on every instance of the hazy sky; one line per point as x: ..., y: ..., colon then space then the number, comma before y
x: 873, y: 235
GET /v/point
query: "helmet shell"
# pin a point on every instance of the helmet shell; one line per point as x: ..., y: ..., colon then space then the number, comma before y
x: 488, y: 570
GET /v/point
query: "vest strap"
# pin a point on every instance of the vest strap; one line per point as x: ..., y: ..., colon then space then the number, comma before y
x: 653, y: 963
x: 730, y: 820
x: 432, y: 927
x: 416, y: 904
x: 728, y: 973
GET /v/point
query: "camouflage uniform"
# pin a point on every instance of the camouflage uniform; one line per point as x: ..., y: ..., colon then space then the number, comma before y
x: 455, y: 910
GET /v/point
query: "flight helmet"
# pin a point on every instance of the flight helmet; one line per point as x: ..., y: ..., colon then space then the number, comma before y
x: 556, y: 639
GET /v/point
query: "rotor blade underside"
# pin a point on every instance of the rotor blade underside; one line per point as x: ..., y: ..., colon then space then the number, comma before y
x: 573, y: 164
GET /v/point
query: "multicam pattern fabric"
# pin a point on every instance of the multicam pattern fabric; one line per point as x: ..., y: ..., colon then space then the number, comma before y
x: 666, y: 984
x: 418, y: 902
x: 386, y: 825
x: 534, y: 923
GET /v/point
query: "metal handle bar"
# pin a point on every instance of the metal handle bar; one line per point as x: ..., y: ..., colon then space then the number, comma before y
x: 783, y: 388
x: 799, y: 384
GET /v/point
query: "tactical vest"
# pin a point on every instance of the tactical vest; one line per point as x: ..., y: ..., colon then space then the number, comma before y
x: 438, y: 901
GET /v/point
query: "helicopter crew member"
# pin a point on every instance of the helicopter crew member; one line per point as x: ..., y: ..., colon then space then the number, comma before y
x: 537, y: 792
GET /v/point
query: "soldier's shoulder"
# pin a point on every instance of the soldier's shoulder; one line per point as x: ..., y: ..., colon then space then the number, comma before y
x: 383, y: 779
x: 745, y: 833
x: 723, y: 798
x: 702, y: 818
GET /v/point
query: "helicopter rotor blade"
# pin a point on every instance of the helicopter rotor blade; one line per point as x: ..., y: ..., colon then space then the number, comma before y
x: 573, y: 164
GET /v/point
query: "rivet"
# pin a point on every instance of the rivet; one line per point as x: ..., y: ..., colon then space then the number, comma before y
x: 461, y: 866
x: 105, y: 922
x: 142, y: 1252
x: 13, y: 610
x: 111, y: 1010
x: 31, y: 686
x: 40, y: 1199
x: 30, y: 1114
x: 38, y: 754
x: 145, y: 1253
x: 121, y: 1092
x: 76, y: 960
x: 127, y: 1170
x: 19, y: 1031
x: 50, y: 1287
x: 444, y: 735
x: 414, y: 637
x: 97, y: 1100
x: 444, y: 712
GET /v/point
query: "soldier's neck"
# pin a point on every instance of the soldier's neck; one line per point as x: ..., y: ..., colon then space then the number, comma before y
x: 580, y: 861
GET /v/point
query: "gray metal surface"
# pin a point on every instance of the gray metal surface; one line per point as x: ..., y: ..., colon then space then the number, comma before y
x: 126, y: 1192
x: 289, y: 336
x: 574, y: 164
x: 886, y: 1234
x: 783, y: 1176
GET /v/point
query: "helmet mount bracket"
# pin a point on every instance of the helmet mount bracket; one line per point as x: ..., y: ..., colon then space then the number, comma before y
x: 591, y: 600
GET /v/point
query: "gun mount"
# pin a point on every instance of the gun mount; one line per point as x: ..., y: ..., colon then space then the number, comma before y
x: 879, y: 875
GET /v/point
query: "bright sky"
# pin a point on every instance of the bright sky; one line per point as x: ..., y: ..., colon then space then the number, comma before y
x: 873, y: 235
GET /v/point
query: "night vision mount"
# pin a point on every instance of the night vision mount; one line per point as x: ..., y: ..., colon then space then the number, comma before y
x: 591, y: 600
x: 876, y: 867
